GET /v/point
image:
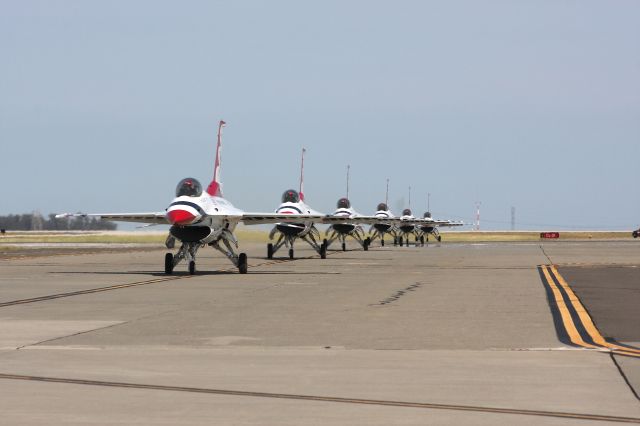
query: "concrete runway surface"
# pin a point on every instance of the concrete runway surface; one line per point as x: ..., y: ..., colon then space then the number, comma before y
x: 446, y: 334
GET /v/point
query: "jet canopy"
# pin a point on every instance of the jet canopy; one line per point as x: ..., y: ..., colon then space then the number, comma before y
x: 189, y: 187
x: 427, y: 215
x: 290, y: 196
x: 406, y: 212
x: 382, y: 207
x: 344, y: 203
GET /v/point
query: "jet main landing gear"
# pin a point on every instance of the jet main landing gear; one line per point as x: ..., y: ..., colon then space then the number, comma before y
x: 188, y: 252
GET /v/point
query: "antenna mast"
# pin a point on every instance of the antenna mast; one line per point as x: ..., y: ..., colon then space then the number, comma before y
x: 478, y: 203
x: 513, y: 218
x: 409, y: 197
x: 428, y: 201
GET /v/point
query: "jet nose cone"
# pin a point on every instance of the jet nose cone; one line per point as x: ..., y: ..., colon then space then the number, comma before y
x: 180, y: 217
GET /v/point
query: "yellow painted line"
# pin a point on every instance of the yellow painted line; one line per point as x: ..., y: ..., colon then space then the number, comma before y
x: 573, y: 333
x: 585, y: 318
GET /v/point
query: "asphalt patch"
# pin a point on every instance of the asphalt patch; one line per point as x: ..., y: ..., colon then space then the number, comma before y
x: 611, y: 294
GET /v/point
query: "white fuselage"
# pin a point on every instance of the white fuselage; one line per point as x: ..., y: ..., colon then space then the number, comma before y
x: 427, y: 225
x: 213, y: 212
x: 345, y: 212
x: 383, y: 214
x: 409, y: 227
x: 304, y: 226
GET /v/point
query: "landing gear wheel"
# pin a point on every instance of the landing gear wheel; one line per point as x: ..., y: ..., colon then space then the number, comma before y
x: 168, y: 263
x: 291, y: 253
x: 439, y: 238
x: 382, y: 243
x: 192, y: 267
x: 242, y: 263
x: 422, y: 240
x: 344, y: 247
x: 365, y: 246
x: 400, y: 241
x: 269, y: 251
x: 395, y: 241
x: 323, y: 251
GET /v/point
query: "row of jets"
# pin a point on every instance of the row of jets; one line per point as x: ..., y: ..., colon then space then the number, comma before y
x: 200, y: 218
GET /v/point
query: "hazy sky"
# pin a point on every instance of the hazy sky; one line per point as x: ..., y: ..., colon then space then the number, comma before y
x: 105, y: 106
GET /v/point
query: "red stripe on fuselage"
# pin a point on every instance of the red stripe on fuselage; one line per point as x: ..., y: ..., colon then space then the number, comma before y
x: 180, y: 217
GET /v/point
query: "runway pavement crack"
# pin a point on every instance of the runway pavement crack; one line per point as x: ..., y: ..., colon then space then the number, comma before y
x: 131, y: 321
x: 624, y: 376
x: 545, y: 254
x: 330, y: 399
x: 72, y: 335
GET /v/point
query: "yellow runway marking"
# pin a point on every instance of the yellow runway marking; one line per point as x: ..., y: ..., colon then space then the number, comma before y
x: 574, y: 335
x: 585, y: 321
x: 586, y: 318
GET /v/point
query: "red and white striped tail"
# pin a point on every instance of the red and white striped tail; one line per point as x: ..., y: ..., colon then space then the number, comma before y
x: 215, y: 187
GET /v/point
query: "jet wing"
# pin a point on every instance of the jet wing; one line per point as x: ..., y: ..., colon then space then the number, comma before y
x: 413, y: 221
x: 449, y: 223
x: 157, y: 218
x: 262, y: 218
x: 444, y: 223
x: 355, y: 220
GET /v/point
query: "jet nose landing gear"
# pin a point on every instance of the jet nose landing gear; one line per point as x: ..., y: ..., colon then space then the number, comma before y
x: 187, y: 252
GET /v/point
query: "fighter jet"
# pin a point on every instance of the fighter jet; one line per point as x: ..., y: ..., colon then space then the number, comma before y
x: 386, y: 225
x: 287, y: 233
x: 407, y: 227
x: 421, y: 228
x: 430, y: 226
x: 346, y: 222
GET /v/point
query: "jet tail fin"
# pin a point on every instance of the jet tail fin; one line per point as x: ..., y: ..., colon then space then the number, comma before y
x: 215, y: 187
x: 302, y: 176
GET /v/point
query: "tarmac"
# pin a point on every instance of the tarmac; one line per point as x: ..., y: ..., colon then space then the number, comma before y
x: 445, y: 334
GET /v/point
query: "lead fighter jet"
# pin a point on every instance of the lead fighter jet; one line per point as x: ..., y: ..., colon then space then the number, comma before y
x: 202, y: 218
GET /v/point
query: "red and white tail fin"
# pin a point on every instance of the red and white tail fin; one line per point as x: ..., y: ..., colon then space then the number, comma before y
x: 302, y: 176
x: 215, y: 187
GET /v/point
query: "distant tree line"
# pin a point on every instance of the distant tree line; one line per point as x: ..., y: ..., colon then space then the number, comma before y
x: 36, y: 222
